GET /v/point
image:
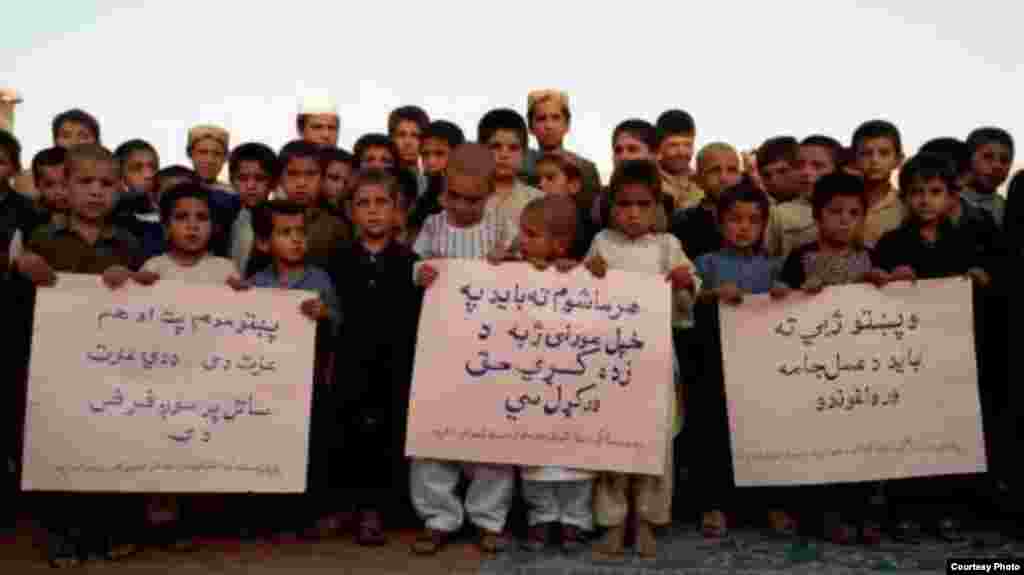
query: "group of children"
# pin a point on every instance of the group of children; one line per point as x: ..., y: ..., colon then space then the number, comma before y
x: 361, y: 230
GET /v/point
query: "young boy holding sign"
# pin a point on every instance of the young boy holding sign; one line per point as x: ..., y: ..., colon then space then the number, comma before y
x: 556, y: 496
x: 633, y: 244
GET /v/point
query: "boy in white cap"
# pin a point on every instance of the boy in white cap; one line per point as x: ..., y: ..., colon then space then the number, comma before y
x: 318, y: 121
x: 9, y: 99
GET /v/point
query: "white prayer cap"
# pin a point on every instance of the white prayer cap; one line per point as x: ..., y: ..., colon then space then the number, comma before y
x: 313, y: 104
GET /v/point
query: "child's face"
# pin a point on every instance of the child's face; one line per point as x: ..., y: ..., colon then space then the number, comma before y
x: 140, y: 171
x: 373, y: 211
x: 407, y: 139
x: 377, y: 158
x: 990, y: 165
x: 675, y: 154
x: 535, y: 243
x: 208, y: 159
x: 720, y: 170
x: 634, y: 210
x: 877, y: 158
x: 71, y: 134
x: 549, y: 124
x: 287, y: 244
x: 779, y: 179
x: 435, y: 154
x: 52, y: 186
x: 742, y: 225
x: 190, y: 228
x: 553, y: 180
x: 321, y: 129
x: 92, y: 185
x: 334, y: 181
x: 628, y: 147
x: 466, y: 198
x: 508, y: 154
x: 812, y: 163
x: 301, y: 181
x: 252, y: 183
x: 840, y: 219
x: 930, y: 200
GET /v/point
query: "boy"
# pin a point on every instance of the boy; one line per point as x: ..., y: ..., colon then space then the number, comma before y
x: 317, y: 121
x: 559, y: 175
x: 777, y: 168
x: 955, y: 151
x: 49, y: 174
x: 504, y: 132
x: 75, y: 127
x: 280, y: 230
x: 879, y: 152
x: 208, y: 147
x: 791, y: 224
x: 139, y: 165
x: 464, y: 230
x: 634, y: 244
x: 254, y: 173
x: 301, y: 174
x: 375, y: 152
x: 990, y: 152
x: 674, y: 142
x: 406, y: 126
x: 549, y: 119
x: 718, y: 169
x: 86, y: 244
x: 632, y: 139
x: 373, y: 378
x: 138, y: 206
x: 338, y: 167
x: 440, y: 138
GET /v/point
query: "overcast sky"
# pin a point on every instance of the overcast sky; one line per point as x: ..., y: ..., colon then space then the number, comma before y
x: 746, y: 70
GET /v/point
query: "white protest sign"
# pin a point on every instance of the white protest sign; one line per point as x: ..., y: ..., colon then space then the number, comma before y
x: 170, y: 388
x: 527, y: 367
x: 853, y: 384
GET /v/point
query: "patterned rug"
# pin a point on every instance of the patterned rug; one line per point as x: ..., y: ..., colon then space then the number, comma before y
x: 684, y: 552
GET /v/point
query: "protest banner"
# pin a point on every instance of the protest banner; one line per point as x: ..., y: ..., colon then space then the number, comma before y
x: 168, y: 388
x: 853, y: 384
x: 527, y: 367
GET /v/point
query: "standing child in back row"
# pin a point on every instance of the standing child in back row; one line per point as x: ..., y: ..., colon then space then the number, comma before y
x: 632, y: 244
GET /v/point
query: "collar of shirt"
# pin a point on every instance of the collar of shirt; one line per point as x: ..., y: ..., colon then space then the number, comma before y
x: 620, y: 238
x: 107, y: 233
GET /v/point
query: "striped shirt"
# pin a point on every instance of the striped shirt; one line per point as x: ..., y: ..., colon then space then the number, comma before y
x: 438, y: 239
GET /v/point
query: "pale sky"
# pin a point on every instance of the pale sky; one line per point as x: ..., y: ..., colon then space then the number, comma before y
x: 746, y: 70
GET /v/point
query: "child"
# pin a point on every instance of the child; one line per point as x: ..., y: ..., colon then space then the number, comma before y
x: 49, y: 174
x: 185, y: 214
x: 674, y: 142
x: 138, y: 206
x: 440, y: 138
x: 557, y: 497
x: 633, y: 139
x: 318, y: 122
x: 86, y: 244
x: 718, y: 169
x: 301, y: 174
x: 776, y: 166
x: 208, y: 147
x: 338, y: 167
x: 406, y: 126
x: 254, y: 173
x: 990, y: 151
x: 559, y: 175
x: 504, y: 132
x: 549, y: 118
x: 955, y: 152
x: 375, y: 152
x: 791, y: 224
x: 373, y: 380
x: 634, y: 245
x: 280, y: 230
x: 740, y: 267
x: 838, y: 257
x: 879, y: 152
x: 464, y: 230
x: 928, y: 245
